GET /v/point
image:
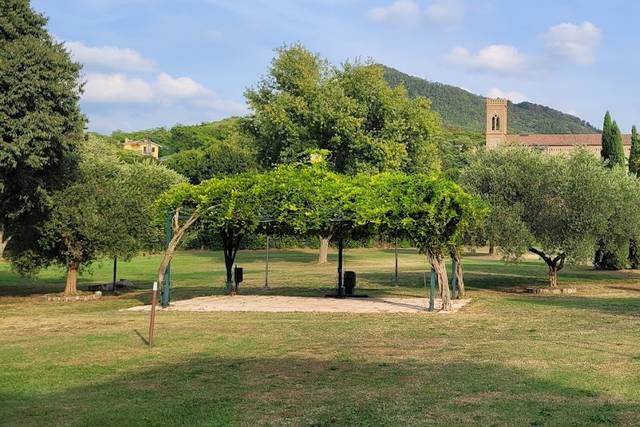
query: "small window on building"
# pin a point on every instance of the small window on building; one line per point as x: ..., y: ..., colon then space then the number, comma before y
x: 495, y: 122
x: 153, y: 149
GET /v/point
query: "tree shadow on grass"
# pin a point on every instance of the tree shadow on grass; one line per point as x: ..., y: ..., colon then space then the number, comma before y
x: 219, y: 390
x: 617, y: 306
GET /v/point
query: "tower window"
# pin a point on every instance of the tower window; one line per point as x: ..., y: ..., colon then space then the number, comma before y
x: 495, y: 122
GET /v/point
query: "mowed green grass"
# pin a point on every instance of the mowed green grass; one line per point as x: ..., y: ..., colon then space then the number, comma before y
x: 506, y: 359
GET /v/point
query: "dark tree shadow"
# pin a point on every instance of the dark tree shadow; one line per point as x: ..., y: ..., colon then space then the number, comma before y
x: 618, y: 306
x: 219, y: 390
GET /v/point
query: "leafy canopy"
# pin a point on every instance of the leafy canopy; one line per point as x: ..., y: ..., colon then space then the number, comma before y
x: 563, y: 204
x: 40, y: 121
x: 305, y: 104
x: 106, y: 211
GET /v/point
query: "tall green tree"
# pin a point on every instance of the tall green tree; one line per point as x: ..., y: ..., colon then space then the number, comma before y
x: 105, y: 211
x: 304, y: 104
x: 617, y: 149
x: 40, y: 121
x: 607, y: 137
x: 612, y: 151
x: 634, y: 156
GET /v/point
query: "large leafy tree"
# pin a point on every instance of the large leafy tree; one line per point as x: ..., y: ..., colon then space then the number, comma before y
x: 106, y: 211
x: 554, y: 206
x: 40, y: 122
x: 304, y: 104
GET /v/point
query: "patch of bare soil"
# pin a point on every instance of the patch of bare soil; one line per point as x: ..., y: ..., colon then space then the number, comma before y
x: 285, y: 304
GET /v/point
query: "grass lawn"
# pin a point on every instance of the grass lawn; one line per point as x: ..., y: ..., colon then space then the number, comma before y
x: 505, y: 359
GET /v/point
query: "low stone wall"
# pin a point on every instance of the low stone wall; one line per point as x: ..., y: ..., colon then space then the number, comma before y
x: 551, y: 291
x: 72, y: 298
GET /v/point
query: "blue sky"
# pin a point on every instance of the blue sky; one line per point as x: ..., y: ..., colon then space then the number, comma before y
x: 155, y: 63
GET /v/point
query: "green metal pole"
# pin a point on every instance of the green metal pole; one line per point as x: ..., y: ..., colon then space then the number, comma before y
x: 166, y: 281
x: 454, y: 279
x: 432, y: 291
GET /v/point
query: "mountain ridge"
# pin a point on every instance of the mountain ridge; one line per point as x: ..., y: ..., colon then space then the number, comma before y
x: 461, y: 109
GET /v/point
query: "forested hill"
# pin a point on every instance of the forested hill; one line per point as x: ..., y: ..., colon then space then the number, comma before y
x: 465, y: 110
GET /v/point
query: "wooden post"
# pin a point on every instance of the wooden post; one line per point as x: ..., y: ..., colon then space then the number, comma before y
x: 152, y: 320
x: 396, y: 255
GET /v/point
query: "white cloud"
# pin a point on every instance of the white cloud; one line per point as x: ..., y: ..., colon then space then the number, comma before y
x: 398, y: 12
x: 180, y: 87
x: 500, y: 58
x: 577, y: 43
x: 514, y: 96
x: 409, y: 12
x: 446, y: 12
x: 116, y: 88
x: 165, y: 91
x: 110, y: 57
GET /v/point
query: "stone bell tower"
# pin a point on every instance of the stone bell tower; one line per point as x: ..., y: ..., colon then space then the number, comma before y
x: 496, y: 133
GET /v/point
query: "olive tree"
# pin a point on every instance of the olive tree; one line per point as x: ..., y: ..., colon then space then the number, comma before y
x: 106, y: 211
x: 556, y: 207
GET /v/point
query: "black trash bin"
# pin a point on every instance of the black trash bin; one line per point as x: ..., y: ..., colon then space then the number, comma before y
x: 349, y: 282
x: 238, y: 276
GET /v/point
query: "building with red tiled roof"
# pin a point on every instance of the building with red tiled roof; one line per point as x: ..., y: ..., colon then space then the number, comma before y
x: 497, y: 134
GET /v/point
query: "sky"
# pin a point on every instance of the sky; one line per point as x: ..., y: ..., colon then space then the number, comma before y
x: 152, y: 63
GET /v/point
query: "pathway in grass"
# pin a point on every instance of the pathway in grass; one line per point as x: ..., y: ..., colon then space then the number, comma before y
x: 284, y: 304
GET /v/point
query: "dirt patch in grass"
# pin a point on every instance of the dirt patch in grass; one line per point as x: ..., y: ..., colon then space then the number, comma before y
x: 284, y: 304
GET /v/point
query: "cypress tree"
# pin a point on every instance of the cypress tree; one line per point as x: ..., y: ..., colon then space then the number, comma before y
x: 605, y: 152
x: 617, y: 147
x: 634, y: 157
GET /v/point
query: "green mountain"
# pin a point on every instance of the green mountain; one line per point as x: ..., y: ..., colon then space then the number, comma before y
x: 464, y: 110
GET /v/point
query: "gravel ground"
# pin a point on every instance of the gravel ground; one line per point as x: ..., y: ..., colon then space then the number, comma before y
x: 284, y: 304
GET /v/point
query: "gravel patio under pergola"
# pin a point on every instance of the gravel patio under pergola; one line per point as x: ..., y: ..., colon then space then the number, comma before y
x: 289, y: 304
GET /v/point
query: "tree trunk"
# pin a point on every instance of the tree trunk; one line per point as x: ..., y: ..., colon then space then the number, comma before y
x: 634, y: 256
x: 178, y: 234
x: 553, y: 277
x: 231, y: 243
x: 71, y: 287
x: 555, y: 264
x: 437, y: 262
x: 492, y: 249
x: 324, y: 249
x: 459, y: 274
x: 3, y: 243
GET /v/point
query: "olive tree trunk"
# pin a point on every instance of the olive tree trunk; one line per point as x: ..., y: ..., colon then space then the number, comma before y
x: 324, y: 249
x: 3, y: 243
x: 71, y: 287
x: 554, y: 264
x: 455, y: 255
x: 436, y: 259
